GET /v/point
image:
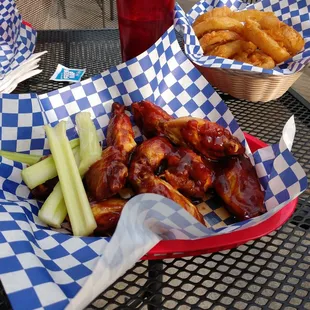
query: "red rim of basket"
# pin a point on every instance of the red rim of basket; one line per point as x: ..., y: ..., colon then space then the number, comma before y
x: 182, y: 248
x: 27, y: 24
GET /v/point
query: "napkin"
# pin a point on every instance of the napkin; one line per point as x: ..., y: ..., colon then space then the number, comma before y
x: 50, y: 269
x: 17, y: 44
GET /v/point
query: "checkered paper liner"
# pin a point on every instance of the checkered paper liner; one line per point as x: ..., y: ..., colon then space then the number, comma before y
x: 294, y: 13
x: 50, y: 269
x: 17, y: 40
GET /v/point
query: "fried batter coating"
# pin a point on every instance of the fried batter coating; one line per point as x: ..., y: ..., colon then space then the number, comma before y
x: 263, y: 41
x: 218, y: 38
x: 258, y: 58
x: 217, y: 12
x: 283, y: 34
x: 242, y: 16
x: 217, y: 23
x: 230, y: 49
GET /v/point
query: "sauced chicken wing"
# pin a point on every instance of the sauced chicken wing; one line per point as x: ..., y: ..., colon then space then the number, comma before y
x: 152, y: 184
x: 145, y: 162
x: 107, y: 214
x: 184, y: 169
x: 42, y: 191
x: 108, y: 176
x: 237, y: 184
x: 149, y: 117
x: 120, y: 133
x: 205, y: 137
x: 188, y: 173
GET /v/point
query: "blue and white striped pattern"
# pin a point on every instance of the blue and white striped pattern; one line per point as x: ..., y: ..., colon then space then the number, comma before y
x: 293, y: 13
x: 17, y: 41
x: 46, y: 269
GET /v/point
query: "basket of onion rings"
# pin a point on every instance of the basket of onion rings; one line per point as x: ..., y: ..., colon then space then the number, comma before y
x: 253, y: 52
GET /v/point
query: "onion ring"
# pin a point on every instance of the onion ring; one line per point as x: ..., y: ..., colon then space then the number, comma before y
x: 242, y: 16
x: 257, y: 58
x: 217, y: 37
x: 285, y: 35
x: 217, y: 23
x: 217, y: 12
x: 230, y: 49
x: 264, y: 42
x: 209, y: 48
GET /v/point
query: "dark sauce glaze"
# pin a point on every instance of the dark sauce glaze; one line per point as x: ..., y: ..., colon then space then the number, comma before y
x: 210, y: 139
x: 42, y: 191
x: 182, y: 168
x: 188, y: 173
x: 149, y: 117
x: 237, y: 184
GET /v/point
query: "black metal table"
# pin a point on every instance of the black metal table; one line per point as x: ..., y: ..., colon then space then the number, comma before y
x: 269, y: 273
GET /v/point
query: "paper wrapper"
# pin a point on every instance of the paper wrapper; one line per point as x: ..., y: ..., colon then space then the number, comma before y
x: 17, y: 39
x: 50, y: 269
x: 294, y: 13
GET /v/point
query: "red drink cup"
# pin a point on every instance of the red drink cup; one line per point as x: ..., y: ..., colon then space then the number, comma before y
x: 141, y: 23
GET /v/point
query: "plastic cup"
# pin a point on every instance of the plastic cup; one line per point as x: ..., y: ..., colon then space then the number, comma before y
x: 142, y: 23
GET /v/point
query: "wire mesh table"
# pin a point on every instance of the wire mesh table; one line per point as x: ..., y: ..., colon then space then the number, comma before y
x: 269, y: 273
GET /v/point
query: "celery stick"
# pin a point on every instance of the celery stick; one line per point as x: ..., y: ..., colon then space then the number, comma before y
x: 78, y: 207
x: 90, y: 149
x: 27, y: 159
x: 44, y: 170
x: 54, y: 211
x: 39, y: 173
x: 74, y: 143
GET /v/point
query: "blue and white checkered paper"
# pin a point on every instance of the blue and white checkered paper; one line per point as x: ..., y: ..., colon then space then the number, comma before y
x: 293, y: 13
x: 17, y: 40
x: 49, y: 269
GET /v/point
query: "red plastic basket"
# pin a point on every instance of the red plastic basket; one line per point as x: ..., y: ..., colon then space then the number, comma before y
x: 27, y: 24
x: 182, y: 248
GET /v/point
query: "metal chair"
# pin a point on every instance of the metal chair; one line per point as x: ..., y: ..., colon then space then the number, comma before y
x: 101, y: 5
x: 70, y: 14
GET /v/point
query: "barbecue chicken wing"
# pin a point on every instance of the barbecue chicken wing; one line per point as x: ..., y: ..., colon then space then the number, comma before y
x: 107, y: 214
x: 208, y: 138
x: 188, y: 173
x: 42, y: 191
x: 120, y: 133
x: 237, y: 184
x: 108, y: 176
x: 146, y: 160
x: 149, y: 117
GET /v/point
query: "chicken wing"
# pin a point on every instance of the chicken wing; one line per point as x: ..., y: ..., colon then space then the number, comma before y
x: 108, y: 176
x: 149, y: 117
x: 237, y: 184
x: 107, y: 214
x: 120, y: 133
x: 151, y: 184
x: 205, y: 137
x: 146, y: 160
x: 42, y: 191
x: 188, y: 173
